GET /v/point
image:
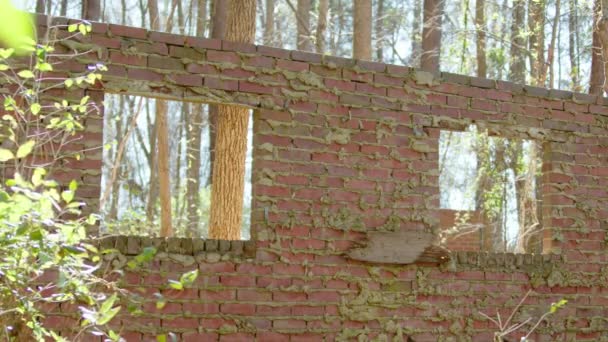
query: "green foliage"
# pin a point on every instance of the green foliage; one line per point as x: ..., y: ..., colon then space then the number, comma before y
x: 16, y: 28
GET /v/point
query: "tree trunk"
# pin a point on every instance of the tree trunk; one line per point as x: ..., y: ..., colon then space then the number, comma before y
x: 431, y: 35
x: 597, y: 77
x: 480, y: 25
x: 201, y: 18
x: 303, y: 19
x: 416, y: 35
x: 362, y: 40
x: 380, y: 31
x: 193, y: 134
x: 162, y: 142
x: 517, y: 67
x: 572, y: 44
x: 91, y: 10
x: 551, y: 53
x: 322, y: 25
x: 602, y: 28
x: 153, y: 180
x: 40, y: 6
x: 229, y: 167
x: 64, y: 8
x: 536, y: 25
x: 269, y: 23
x: 218, y: 31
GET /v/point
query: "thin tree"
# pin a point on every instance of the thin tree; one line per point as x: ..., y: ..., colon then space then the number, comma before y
x: 91, y: 10
x: 480, y: 26
x: 162, y: 145
x: 551, y: 52
x: 218, y: 31
x: 231, y: 141
x: 431, y: 35
x: 597, y: 77
x: 302, y: 14
x: 517, y: 63
x: 194, y: 139
x: 573, y: 44
x: 380, y: 31
x: 269, y: 23
x: 416, y: 52
x: 362, y: 40
x: 536, y: 39
x: 321, y: 26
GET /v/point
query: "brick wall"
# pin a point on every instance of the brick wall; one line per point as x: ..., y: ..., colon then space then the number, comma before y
x: 345, y: 147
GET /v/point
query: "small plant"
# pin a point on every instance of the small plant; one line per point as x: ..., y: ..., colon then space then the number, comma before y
x: 506, y: 328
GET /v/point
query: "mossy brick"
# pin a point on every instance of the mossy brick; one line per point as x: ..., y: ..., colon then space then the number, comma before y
x: 304, y: 56
x: 238, y: 47
x: 289, y: 65
x: 127, y: 31
x: 164, y: 37
x: 165, y: 63
x: 186, y: 52
x: 223, y: 57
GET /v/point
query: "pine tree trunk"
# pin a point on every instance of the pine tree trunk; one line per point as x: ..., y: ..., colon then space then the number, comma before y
x: 536, y: 25
x: 303, y: 26
x: 602, y: 28
x: 597, y: 77
x: 201, y: 18
x: 269, y: 23
x: 322, y: 25
x: 480, y: 25
x: 218, y: 31
x: 91, y: 10
x: 231, y: 141
x: 572, y: 45
x: 431, y: 35
x: 551, y: 52
x: 40, y: 6
x: 362, y: 40
x: 416, y: 35
x: 64, y: 8
x: 380, y: 31
x: 517, y: 66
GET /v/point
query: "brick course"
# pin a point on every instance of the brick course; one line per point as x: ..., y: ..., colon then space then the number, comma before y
x: 341, y: 148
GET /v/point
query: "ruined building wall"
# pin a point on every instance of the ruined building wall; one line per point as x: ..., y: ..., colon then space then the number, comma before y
x: 343, y: 148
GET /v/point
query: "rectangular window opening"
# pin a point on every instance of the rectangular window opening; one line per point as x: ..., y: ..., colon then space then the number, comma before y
x: 490, y: 197
x: 129, y: 201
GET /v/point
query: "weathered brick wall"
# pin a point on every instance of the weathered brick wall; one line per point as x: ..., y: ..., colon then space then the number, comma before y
x: 345, y: 147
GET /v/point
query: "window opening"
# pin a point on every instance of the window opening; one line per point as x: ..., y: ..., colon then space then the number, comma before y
x: 131, y: 204
x: 489, y: 192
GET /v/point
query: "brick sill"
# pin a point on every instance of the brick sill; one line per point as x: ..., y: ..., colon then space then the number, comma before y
x: 134, y: 245
x: 509, y: 260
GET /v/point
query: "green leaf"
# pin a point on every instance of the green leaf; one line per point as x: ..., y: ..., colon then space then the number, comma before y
x: 107, y: 304
x: 72, y: 28
x: 67, y: 196
x: 161, y: 338
x: 3, y: 67
x: 26, y: 74
x: 6, y: 53
x: 37, y: 176
x: 6, y: 155
x: 160, y: 304
x: 25, y: 149
x: 44, y: 67
x: 17, y: 28
x: 35, y: 108
x: 188, y: 278
x: 73, y: 185
x: 104, y: 319
x: 176, y: 285
x: 68, y: 83
x: 558, y: 305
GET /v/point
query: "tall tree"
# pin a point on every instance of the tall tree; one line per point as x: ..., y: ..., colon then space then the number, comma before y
x: 231, y: 141
x: 518, y: 64
x: 218, y: 31
x: 480, y: 26
x: 269, y: 23
x: 302, y: 14
x: 573, y: 44
x: 194, y: 133
x: 91, y: 9
x: 536, y: 39
x: 380, y: 31
x: 416, y: 34
x: 431, y: 35
x: 40, y: 6
x: 362, y: 40
x: 321, y: 25
x: 597, y: 77
x: 162, y: 144
x: 551, y: 52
